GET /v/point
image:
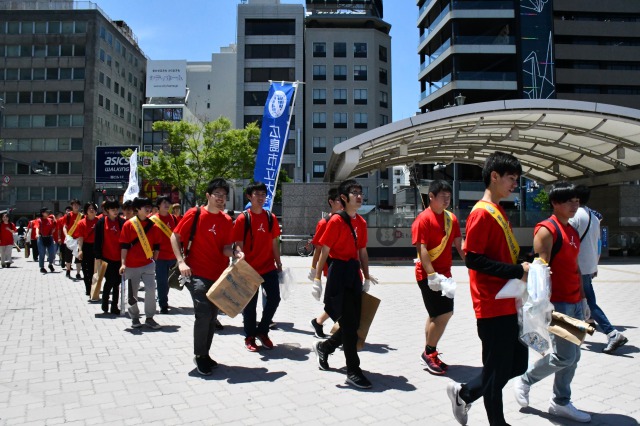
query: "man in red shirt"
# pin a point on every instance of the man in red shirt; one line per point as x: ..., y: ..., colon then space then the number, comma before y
x: 567, y: 297
x: 71, y: 221
x: 86, y: 233
x: 33, y: 241
x: 107, y: 249
x: 45, y: 230
x: 345, y: 242
x: 139, y: 247
x: 336, y: 206
x: 258, y: 239
x: 7, y: 230
x: 433, y: 232
x: 165, y: 222
x: 204, y: 259
x: 491, y: 254
x: 60, y: 235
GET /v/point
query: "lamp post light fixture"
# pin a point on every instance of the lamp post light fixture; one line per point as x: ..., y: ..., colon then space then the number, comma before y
x: 460, y: 99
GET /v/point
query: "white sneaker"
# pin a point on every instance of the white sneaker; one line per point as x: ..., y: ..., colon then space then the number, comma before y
x: 615, y: 339
x: 459, y: 407
x: 569, y: 412
x: 521, y: 391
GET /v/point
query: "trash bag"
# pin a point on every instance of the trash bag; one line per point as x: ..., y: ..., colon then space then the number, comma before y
x: 286, y: 283
x: 536, y: 309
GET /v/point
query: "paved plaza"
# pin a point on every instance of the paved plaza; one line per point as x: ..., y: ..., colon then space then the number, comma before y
x: 63, y: 361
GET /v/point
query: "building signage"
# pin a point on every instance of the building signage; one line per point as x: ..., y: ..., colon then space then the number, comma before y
x: 111, y: 166
x: 166, y: 79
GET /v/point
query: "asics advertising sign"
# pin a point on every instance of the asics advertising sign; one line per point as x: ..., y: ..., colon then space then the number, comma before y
x: 111, y: 166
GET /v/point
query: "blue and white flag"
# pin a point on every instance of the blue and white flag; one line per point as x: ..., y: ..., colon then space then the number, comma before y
x: 274, y: 135
x: 132, y: 189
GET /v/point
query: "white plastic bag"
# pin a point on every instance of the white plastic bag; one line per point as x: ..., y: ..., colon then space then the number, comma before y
x: 72, y: 244
x: 448, y: 287
x: 536, y: 309
x: 514, y: 288
x: 286, y: 283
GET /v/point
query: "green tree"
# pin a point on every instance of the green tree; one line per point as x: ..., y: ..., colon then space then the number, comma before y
x: 198, y: 153
x: 542, y: 199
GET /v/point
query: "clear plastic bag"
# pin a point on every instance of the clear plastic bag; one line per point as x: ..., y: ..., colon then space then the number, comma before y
x: 448, y: 287
x: 535, y: 314
x: 286, y: 283
x: 72, y: 244
x: 513, y: 289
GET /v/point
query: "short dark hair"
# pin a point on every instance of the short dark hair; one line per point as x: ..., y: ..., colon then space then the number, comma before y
x: 215, y: 184
x: 561, y: 192
x: 333, y: 195
x: 162, y: 198
x: 127, y: 205
x: 437, y: 186
x: 89, y: 205
x: 255, y: 186
x: 111, y: 204
x: 346, y: 187
x: 583, y: 192
x: 67, y: 208
x: 502, y: 163
x: 140, y: 202
x: 75, y: 201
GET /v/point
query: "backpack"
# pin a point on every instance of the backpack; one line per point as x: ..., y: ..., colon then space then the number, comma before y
x: 557, y: 244
x: 247, y: 224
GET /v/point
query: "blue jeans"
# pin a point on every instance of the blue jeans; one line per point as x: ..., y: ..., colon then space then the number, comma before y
x: 49, y: 251
x: 596, y: 313
x: 271, y: 286
x: 562, y: 362
x: 162, y: 279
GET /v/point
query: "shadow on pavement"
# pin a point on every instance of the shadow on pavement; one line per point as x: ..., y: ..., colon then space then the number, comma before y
x: 145, y: 329
x: 378, y: 348
x: 237, y: 374
x: 382, y: 383
x: 290, y: 351
x: 596, y: 419
x: 461, y: 373
x: 624, y: 351
x: 288, y: 327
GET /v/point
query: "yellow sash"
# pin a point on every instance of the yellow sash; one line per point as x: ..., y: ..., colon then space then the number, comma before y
x: 435, y: 252
x: 75, y: 225
x: 514, y: 248
x: 142, y: 237
x: 163, y: 226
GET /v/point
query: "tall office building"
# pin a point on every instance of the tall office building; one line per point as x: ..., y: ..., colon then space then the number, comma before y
x: 72, y: 79
x: 475, y: 51
x: 270, y: 47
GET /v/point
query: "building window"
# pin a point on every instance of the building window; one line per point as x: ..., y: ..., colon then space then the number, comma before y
x: 360, y: 72
x: 339, y: 72
x: 360, y: 120
x: 382, y: 53
x: 359, y: 50
x: 319, y: 50
x: 290, y: 147
x: 262, y: 75
x: 384, y: 99
x: 319, y: 72
x: 319, y: 168
x: 273, y: 27
x: 339, y: 96
x: 339, y: 120
x: 255, y: 98
x: 338, y: 139
x: 319, y: 145
x: 319, y: 96
x: 360, y: 96
x: 383, y: 76
x: 319, y: 120
x: 340, y: 50
x: 384, y: 119
x: 270, y: 51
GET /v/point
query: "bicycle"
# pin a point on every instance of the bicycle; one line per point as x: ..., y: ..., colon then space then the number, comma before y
x: 305, y: 247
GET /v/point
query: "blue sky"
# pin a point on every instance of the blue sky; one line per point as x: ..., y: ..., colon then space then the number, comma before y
x: 194, y: 29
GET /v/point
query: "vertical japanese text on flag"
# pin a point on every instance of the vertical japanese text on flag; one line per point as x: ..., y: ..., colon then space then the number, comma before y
x: 273, y: 137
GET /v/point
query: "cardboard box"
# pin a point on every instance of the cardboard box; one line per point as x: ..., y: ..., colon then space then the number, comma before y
x: 234, y: 289
x: 368, y: 312
x: 96, y: 280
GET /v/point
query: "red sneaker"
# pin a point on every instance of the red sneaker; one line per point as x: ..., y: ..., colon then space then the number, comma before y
x: 440, y: 362
x: 250, y: 344
x: 266, y: 342
x: 431, y: 362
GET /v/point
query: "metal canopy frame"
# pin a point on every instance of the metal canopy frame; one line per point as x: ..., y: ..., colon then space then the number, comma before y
x: 585, y: 142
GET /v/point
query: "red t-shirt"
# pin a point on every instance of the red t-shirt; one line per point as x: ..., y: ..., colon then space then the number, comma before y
x: 486, y: 237
x: 69, y: 220
x: 46, y: 226
x: 6, y: 233
x: 135, y: 254
x: 33, y: 224
x: 166, y: 252
x: 339, y: 238
x: 59, y: 225
x: 565, y: 275
x: 320, y: 228
x: 258, y: 247
x: 213, y: 232
x: 428, y: 228
x: 87, y: 230
x: 111, y: 240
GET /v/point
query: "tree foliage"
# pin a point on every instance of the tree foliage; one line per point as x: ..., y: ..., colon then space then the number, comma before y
x: 542, y: 199
x: 198, y: 153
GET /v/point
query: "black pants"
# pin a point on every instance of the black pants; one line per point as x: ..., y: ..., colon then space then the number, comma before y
x: 503, y: 357
x: 33, y: 245
x: 88, y: 265
x: 111, y: 285
x: 205, y: 312
x: 347, y: 335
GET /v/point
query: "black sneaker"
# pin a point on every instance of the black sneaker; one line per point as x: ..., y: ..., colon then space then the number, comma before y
x: 321, y: 356
x: 44, y: 271
x: 317, y: 328
x: 202, y: 365
x: 164, y: 310
x: 51, y: 267
x: 212, y: 363
x: 69, y: 274
x: 358, y: 380
x: 115, y: 311
x: 135, y: 323
x: 78, y: 277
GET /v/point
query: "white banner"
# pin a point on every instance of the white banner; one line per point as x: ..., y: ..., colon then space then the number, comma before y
x: 132, y: 189
x: 166, y: 79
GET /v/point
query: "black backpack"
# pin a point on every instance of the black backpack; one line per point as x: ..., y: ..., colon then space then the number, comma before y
x: 247, y: 224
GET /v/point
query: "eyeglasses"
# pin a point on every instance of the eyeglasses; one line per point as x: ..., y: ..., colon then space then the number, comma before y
x: 259, y: 194
x: 356, y: 193
x: 219, y: 195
